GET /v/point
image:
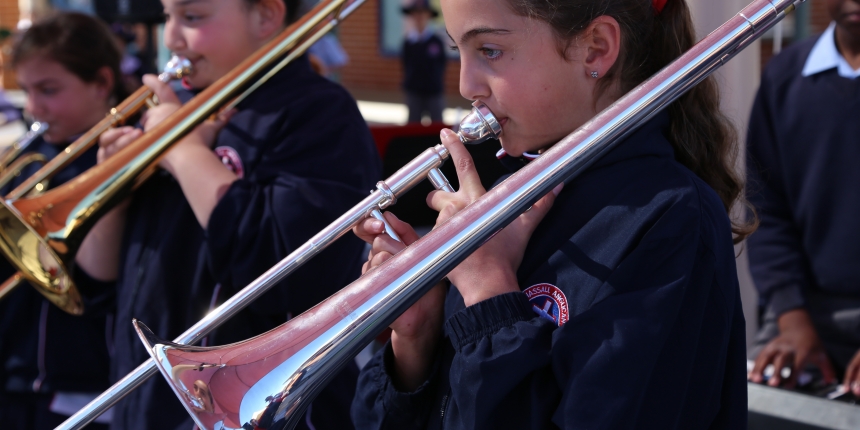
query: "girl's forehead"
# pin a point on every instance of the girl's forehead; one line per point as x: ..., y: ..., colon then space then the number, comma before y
x: 463, y: 16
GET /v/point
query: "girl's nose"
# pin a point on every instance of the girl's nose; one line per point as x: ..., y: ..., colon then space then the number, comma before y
x: 473, y: 82
x: 173, y: 39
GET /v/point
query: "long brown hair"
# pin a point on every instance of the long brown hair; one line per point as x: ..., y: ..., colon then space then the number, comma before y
x: 702, y: 136
x: 80, y: 43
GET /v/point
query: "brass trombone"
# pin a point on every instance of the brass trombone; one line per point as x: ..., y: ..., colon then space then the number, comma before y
x: 12, y: 163
x: 40, y: 235
x: 14, y: 150
x: 17, y: 245
x: 277, y: 374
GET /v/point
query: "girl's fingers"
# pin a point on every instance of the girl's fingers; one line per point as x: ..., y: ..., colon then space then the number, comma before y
x: 368, y: 229
x: 384, y: 243
x: 470, y: 182
x: 161, y: 89
x: 438, y: 200
x: 379, y: 259
x: 403, y: 229
x: 111, y: 135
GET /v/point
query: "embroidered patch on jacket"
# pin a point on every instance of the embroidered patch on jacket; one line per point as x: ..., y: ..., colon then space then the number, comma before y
x: 549, y: 302
x: 231, y: 159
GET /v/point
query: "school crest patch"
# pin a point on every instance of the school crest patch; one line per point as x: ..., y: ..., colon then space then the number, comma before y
x: 549, y: 302
x: 231, y: 159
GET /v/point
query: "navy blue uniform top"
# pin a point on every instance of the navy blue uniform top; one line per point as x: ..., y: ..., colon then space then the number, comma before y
x: 802, y: 177
x: 305, y: 156
x: 424, y: 66
x: 42, y: 348
x: 630, y: 316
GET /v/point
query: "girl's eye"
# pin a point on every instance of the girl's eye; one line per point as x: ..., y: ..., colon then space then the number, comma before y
x: 453, y: 48
x: 491, y: 54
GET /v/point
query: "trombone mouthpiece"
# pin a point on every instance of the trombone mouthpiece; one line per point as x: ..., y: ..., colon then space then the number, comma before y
x: 479, y: 125
x: 176, y: 68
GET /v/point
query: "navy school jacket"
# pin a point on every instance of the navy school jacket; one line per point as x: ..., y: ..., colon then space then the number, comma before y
x: 304, y: 155
x: 630, y: 316
x: 42, y: 348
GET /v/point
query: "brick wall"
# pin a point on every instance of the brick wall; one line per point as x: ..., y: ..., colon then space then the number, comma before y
x: 8, y: 20
x: 819, y: 19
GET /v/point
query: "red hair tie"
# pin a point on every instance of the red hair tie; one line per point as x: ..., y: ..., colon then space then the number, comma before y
x: 658, y: 5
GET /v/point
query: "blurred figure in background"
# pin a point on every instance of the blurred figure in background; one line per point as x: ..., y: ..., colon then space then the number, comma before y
x: 423, y: 63
x: 328, y: 57
x: 53, y: 363
x: 802, y: 180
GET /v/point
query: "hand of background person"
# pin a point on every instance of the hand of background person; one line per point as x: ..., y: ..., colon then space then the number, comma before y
x: 415, y: 334
x: 168, y: 103
x: 796, y: 346
x: 115, y: 139
x: 491, y: 270
x: 852, y: 375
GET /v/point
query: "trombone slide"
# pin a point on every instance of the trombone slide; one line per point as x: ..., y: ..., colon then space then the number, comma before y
x: 275, y: 375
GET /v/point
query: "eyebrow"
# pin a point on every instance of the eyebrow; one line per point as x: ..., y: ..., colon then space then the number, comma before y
x: 41, y: 83
x: 477, y: 31
x: 186, y: 2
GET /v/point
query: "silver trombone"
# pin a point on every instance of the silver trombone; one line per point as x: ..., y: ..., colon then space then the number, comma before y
x: 480, y: 125
x: 269, y: 380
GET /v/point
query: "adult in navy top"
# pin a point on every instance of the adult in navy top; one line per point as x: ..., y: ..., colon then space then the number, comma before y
x: 801, y: 145
x: 303, y: 157
x: 629, y: 316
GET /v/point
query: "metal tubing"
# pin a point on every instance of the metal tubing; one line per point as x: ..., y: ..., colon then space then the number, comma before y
x: 399, y: 183
x: 343, y: 324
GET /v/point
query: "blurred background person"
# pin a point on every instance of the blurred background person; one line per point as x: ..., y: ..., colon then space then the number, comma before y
x: 802, y: 144
x: 53, y: 363
x: 328, y: 57
x: 423, y: 63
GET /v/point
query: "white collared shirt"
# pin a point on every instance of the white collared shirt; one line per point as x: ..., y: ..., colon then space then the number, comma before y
x: 825, y: 56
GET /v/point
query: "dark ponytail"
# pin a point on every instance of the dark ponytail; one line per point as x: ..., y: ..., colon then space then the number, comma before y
x: 702, y: 136
x: 80, y: 43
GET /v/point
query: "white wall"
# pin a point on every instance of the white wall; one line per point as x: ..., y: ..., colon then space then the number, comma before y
x: 739, y: 80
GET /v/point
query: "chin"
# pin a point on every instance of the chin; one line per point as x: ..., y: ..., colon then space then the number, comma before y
x: 199, y: 82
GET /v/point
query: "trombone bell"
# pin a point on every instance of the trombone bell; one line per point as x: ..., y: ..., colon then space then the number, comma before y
x: 35, y: 259
x: 266, y: 382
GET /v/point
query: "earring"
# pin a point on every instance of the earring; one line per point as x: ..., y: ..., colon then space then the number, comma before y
x: 594, y: 74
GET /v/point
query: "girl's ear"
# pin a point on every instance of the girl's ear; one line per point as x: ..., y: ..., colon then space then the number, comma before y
x: 602, y: 43
x: 105, y: 82
x: 269, y: 16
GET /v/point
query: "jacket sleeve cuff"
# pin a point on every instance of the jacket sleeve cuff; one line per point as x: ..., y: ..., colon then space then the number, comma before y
x: 403, y: 406
x: 786, y: 299
x: 487, y: 317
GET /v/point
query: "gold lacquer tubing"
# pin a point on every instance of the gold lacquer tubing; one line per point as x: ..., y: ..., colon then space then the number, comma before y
x: 117, y: 115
